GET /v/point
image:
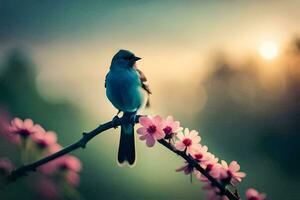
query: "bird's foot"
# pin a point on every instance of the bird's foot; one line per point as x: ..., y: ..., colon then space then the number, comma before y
x: 133, y: 119
x: 119, y: 111
x: 114, y: 121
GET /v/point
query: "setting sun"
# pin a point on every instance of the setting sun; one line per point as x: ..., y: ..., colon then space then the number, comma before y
x: 268, y: 50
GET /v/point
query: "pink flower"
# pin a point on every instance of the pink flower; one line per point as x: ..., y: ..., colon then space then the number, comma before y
x: 200, y: 154
x: 211, y: 159
x: 188, y: 141
x: 64, y: 163
x: 24, y: 128
x: 231, y: 172
x: 50, y: 167
x: 210, y: 164
x: 69, y: 163
x: 186, y: 168
x: 47, y: 189
x: 207, y: 161
x: 54, y: 148
x: 212, y: 169
x: 211, y: 194
x: 6, y: 167
x: 4, y: 128
x: 151, y: 130
x: 252, y: 194
x: 72, y: 178
x: 44, y: 139
x: 170, y: 127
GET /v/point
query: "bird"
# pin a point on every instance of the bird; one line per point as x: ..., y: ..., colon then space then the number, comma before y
x: 128, y: 91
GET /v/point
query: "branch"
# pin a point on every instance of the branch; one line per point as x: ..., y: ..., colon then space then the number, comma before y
x: 194, y: 163
x: 23, y: 170
x: 86, y: 137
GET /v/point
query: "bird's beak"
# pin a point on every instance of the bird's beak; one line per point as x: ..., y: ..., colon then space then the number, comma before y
x: 136, y: 58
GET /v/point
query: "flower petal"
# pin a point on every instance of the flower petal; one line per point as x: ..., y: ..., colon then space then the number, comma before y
x: 196, y: 140
x: 150, y: 141
x: 51, y: 137
x: 17, y: 122
x: 180, y: 136
x: 240, y: 174
x: 234, y: 166
x: 169, y: 119
x: 159, y: 135
x: 143, y: 137
x: 142, y: 131
x: 145, y: 121
x: 28, y: 123
x: 180, y: 146
x: 37, y: 128
x: 224, y: 164
x: 193, y: 134
x: 186, y: 132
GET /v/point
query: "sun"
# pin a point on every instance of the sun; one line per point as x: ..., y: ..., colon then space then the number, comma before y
x: 268, y: 50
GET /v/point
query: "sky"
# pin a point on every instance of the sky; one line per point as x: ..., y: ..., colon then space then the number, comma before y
x: 170, y: 36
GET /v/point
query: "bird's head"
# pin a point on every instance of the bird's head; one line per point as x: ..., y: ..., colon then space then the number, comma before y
x: 124, y: 59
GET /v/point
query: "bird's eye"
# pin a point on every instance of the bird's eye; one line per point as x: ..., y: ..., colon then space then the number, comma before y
x: 128, y: 57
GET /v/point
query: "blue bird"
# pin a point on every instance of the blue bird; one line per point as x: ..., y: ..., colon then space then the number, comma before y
x: 127, y: 90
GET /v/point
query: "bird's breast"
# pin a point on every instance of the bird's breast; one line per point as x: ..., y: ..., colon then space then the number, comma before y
x: 123, y: 89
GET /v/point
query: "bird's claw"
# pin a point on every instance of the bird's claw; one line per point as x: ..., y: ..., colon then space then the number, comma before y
x: 132, y: 119
x: 115, y: 119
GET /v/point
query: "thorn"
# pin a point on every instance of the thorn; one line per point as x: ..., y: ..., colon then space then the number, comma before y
x: 82, y: 144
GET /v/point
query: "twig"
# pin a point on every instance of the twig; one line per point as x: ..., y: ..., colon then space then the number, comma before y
x: 194, y: 164
x: 23, y: 170
x: 86, y: 137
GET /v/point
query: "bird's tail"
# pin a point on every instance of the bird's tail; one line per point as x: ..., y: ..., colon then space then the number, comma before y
x: 127, y: 144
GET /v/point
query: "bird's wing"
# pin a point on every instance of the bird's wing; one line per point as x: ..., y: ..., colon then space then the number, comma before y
x: 143, y: 80
x: 144, y: 85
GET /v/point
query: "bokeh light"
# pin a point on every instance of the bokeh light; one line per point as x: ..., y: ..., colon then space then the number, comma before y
x: 268, y: 50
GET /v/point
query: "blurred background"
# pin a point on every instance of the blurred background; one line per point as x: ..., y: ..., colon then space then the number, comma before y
x: 229, y: 69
